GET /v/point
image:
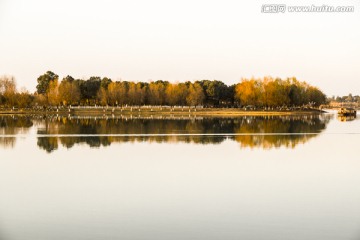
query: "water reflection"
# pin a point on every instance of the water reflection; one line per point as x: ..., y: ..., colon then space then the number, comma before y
x: 346, y: 118
x: 11, y: 126
x: 300, y: 130
x: 248, y: 131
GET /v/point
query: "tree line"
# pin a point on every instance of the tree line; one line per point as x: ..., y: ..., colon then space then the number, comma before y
x: 345, y: 99
x: 10, y: 97
x: 259, y: 93
x: 274, y: 92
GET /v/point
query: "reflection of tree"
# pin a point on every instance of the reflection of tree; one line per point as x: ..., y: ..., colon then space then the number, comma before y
x: 346, y: 118
x: 12, y: 125
x: 259, y: 131
x: 49, y: 144
x: 292, y: 131
x: 93, y: 131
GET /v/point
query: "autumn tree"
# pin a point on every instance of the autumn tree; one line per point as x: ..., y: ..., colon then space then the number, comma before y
x: 69, y: 91
x: 8, y: 90
x: 122, y: 92
x: 102, y: 96
x: 156, y: 92
x: 171, y: 94
x: 117, y: 93
x: 53, y: 93
x: 102, y: 93
x: 275, y: 92
x: 24, y: 98
x: 132, y: 93
x: 136, y: 94
x: 248, y: 92
x: 266, y: 92
x: 196, y: 95
x: 40, y: 100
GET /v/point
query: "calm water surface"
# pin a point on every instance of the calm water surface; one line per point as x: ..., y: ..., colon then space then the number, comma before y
x: 134, y: 178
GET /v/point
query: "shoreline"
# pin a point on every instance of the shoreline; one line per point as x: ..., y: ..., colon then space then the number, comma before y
x: 206, y: 112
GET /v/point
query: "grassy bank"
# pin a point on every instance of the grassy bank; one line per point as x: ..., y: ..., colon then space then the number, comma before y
x: 148, y: 111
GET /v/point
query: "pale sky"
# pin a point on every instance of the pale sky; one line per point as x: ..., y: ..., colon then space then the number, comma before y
x: 145, y: 40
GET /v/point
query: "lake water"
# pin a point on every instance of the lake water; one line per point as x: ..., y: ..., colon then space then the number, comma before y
x: 135, y: 178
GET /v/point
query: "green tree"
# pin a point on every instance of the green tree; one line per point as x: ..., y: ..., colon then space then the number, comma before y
x: 315, y: 96
x: 297, y: 92
x: 89, y: 89
x: 214, y: 91
x: 44, y: 82
x: 68, y: 78
x: 105, y: 82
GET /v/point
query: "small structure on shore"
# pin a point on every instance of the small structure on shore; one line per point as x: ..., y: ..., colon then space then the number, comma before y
x: 347, y: 112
